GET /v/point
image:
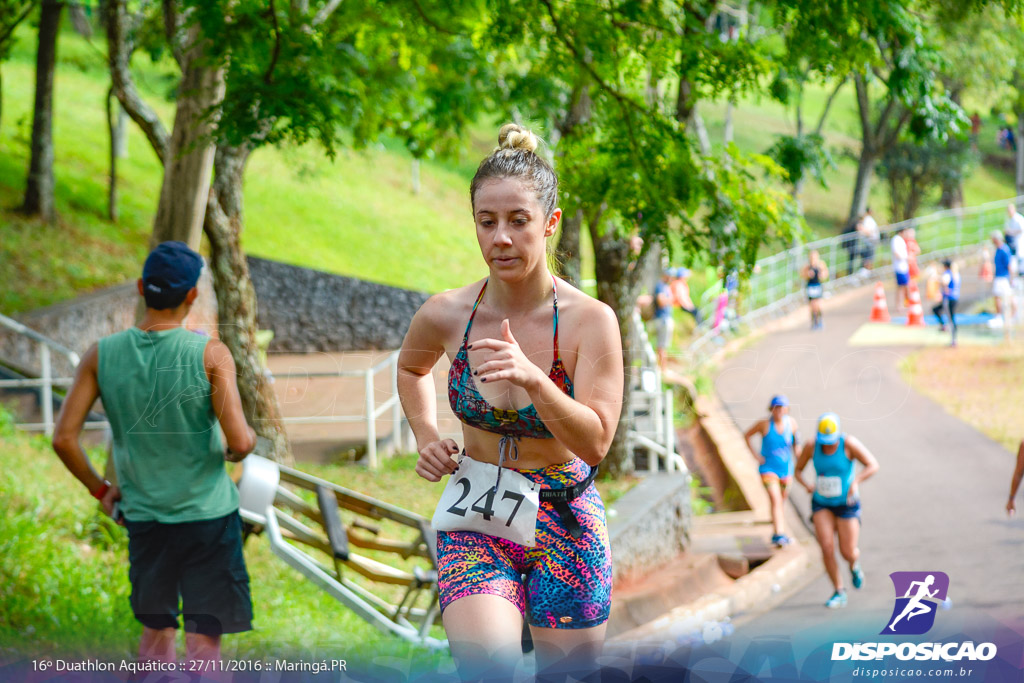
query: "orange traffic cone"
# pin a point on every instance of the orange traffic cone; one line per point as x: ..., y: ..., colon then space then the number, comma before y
x: 880, y: 309
x: 915, y: 314
x: 987, y: 272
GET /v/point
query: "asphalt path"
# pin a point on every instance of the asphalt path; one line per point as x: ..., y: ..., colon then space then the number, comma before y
x: 937, y: 504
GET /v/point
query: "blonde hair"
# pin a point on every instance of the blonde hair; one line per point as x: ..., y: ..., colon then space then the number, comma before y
x: 516, y: 157
x: 512, y: 136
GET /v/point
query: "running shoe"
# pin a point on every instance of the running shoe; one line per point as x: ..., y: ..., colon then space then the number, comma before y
x: 780, y: 540
x: 857, y: 575
x: 837, y: 600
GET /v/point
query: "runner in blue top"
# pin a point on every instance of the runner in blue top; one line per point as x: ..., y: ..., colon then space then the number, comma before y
x: 835, y: 501
x: 779, y: 440
x: 950, y: 297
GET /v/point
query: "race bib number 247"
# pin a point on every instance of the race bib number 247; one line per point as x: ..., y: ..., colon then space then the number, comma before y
x: 470, y: 502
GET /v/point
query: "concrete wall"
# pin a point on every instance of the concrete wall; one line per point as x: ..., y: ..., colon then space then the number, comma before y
x: 650, y: 524
x: 307, y: 310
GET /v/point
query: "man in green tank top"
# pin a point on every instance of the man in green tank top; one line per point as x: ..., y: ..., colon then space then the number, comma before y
x: 165, y: 389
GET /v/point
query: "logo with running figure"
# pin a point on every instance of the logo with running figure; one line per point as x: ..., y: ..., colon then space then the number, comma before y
x: 918, y: 595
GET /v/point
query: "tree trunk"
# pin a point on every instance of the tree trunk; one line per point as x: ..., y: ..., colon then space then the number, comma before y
x: 727, y: 132
x: 568, y: 249
x: 119, y: 53
x: 39, y: 193
x: 952, y: 194
x: 80, y: 20
x: 617, y: 288
x: 700, y: 131
x: 189, y: 160
x: 236, y: 298
x: 862, y: 185
x: 114, y: 125
x: 1020, y: 153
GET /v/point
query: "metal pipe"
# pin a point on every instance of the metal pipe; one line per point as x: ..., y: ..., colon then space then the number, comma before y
x: 371, y: 423
x: 396, y: 408
x: 47, y: 393
x: 14, y: 325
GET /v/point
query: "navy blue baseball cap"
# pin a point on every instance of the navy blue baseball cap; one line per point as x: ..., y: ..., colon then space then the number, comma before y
x: 169, y: 272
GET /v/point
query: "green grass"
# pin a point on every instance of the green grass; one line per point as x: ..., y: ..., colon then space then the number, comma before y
x: 758, y: 120
x: 355, y: 216
x: 64, y: 572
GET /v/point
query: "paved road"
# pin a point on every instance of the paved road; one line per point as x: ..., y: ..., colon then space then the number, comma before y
x: 936, y: 504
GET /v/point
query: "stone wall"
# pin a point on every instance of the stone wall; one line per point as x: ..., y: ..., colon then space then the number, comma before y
x: 307, y: 310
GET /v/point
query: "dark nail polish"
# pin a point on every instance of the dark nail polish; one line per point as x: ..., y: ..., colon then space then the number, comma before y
x: 476, y: 372
x: 483, y: 379
x: 469, y: 347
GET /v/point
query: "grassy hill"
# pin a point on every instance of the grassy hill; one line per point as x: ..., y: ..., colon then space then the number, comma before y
x: 356, y: 215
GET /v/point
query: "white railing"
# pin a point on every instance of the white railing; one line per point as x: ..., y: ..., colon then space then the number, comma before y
x: 660, y: 442
x: 371, y: 411
x: 46, y: 381
x: 775, y: 286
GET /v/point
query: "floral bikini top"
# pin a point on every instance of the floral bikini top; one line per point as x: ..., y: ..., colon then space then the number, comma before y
x: 474, y: 410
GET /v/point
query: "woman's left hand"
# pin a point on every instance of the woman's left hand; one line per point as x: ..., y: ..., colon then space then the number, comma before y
x: 853, y: 495
x: 506, y: 361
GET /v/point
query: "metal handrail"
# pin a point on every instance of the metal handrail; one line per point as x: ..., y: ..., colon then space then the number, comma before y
x: 773, y: 289
x: 15, y: 326
x: 46, y: 381
x: 371, y: 410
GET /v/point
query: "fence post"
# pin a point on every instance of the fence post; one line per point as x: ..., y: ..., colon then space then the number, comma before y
x: 371, y: 422
x: 652, y: 457
x: 670, y: 434
x: 959, y: 227
x: 789, y: 264
x: 396, y: 408
x: 47, y: 389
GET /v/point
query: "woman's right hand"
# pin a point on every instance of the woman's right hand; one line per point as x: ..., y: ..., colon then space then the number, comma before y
x: 436, y: 460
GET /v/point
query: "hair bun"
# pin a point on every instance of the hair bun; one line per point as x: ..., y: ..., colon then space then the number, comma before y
x: 512, y: 136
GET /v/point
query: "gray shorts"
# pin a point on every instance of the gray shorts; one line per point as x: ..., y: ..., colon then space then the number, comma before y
x: 664, y: 327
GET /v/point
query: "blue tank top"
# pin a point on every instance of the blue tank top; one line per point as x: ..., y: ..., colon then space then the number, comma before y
x: 952, y: 290
x: 834, y: 475
x: 777, y: 450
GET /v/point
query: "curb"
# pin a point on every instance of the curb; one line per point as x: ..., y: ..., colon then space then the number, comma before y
x: 783, y: 571
x: 786, y: 570
x: 788, y: 567
x: 709, y: 618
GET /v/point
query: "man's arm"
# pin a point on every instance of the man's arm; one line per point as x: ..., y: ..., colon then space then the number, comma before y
x: 73, y: 413
x: 227, y: 404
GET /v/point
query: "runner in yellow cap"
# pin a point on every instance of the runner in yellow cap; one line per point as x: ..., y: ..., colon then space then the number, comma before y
x: 835, y: 501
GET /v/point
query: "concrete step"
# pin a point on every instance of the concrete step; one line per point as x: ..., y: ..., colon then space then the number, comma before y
x: 683, y: 580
